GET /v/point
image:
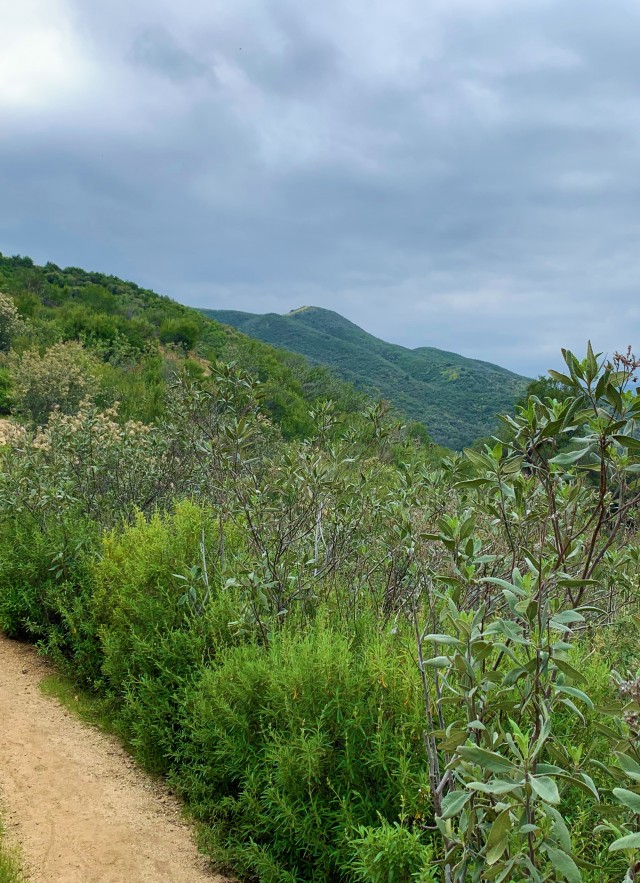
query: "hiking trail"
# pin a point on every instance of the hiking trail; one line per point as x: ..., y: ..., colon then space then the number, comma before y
x: 74, y: 801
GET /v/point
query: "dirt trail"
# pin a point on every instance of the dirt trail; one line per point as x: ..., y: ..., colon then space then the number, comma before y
x: 76, y: 803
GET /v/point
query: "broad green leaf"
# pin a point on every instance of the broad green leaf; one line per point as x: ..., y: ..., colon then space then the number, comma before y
x: 473, y: 482
x: 574, y: 366
x: 562, y: 378
x: 444, y: 639
x: 628, y: 798
x: 438, y: 662
x: 570, y: 671
x: 453, y: 803
x: 570, y: 457
x: 496, y: 786
x: 574, y: 583
x: 608, y: 732
x: 494, y: 580
x: 506, y: 874
x: 573, y: 691
x: 552, y: 428
x: 513, y: 676
x: 559, y: 830
x: 545, y: 788
x: 630, y: 766
x: 628, y: 441
x: 568, y: 616
x: 564, y: 865
x: 512, y: 466
x: 589, y: 783
x: 631, y: 841
x: 451, y: 742
x: 614, y: 398
x: 548, y: 769
x: 488, y: 760
x: 602, y: 385
x: 592, y: 362
x: 498, y: 838
x: 528, y: 829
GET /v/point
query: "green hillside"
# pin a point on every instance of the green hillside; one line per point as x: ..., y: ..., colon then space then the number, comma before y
x: 356, y: 658
x: 456, y: 397
x: 137, y: 339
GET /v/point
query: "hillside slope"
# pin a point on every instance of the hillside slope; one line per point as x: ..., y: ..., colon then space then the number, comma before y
x: 456, y: 397
x: 143, y: 337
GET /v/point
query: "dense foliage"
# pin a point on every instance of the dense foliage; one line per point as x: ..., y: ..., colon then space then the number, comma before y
x: 455, y: 397
x: 137, y: 340
x: 357, y: 659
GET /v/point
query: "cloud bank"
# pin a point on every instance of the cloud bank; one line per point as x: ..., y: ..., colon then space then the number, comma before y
x: 460, y: 174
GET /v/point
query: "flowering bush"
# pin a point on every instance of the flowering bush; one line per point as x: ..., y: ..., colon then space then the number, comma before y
x: 10, y: 322
x: 62, y: 377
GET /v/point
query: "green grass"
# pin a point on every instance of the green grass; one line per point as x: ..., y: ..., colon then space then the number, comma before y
x: 10, y: 870
x: 80, y: 703
x: 455, y: 397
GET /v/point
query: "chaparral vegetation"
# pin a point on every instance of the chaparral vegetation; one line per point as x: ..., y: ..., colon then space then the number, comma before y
x: 356, y: 656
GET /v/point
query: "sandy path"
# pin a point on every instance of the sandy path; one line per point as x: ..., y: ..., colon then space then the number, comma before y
x: 76, y: 803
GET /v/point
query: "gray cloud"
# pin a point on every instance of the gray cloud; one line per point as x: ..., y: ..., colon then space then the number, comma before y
x: 157, y: 49
x: 461, y: 175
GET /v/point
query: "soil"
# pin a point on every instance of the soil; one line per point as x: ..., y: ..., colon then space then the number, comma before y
x: 74, y: 801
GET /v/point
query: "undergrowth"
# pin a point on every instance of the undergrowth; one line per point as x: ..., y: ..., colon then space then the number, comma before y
x: 354, y: 664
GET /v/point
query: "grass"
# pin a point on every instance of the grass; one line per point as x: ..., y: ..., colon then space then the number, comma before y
x: 10, y: 870
x: 80, y: 703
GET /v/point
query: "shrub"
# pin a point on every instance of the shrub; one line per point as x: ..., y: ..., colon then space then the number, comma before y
x: 62, y: 377
x: 10, y: 322
x: 290, y: 747
x: 45, y: 588
x: 90, y: 463
x: 391, y: 854
x: 6, y: 402
x: 183, y: 332
x: 154, y: 639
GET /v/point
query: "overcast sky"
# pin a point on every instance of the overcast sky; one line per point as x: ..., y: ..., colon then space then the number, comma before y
x: 455, y: 173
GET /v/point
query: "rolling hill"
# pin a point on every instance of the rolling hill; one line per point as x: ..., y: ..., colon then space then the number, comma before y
x: 456, y: 397
x: 141, y: 338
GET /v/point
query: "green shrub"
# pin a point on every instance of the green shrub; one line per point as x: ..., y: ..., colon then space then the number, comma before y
x: 62, y: 377
x: 183, y: 332
x: 38, y: 568
x: 45, y: 589
x: 391, y: 854
x: 154, y: 642
x: 290, y: 747
x: 6, y: 401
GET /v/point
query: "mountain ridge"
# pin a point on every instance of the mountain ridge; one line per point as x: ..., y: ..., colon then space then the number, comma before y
x: 456, y: 397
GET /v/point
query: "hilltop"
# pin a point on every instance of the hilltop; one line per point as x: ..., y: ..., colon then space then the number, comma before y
x: 456, y: 397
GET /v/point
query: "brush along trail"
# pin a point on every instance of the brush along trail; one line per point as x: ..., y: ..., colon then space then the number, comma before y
x: 74, y: 801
